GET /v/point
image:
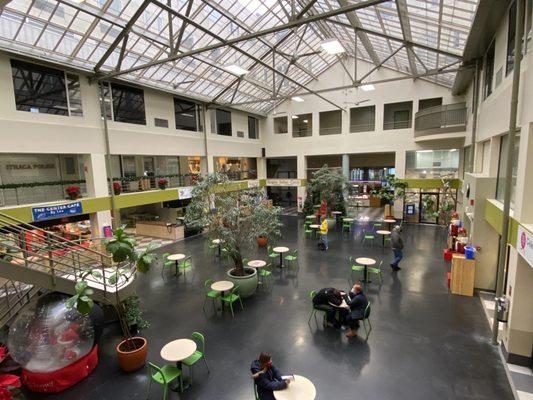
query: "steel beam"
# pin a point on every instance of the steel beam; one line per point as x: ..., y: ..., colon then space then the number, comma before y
x: 401, y: 6
x: 182, y: 27
x: 289, y: 25
x: 380, y: 64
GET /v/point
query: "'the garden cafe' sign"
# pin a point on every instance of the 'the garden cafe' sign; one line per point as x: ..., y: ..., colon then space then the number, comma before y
x: 524, y: 244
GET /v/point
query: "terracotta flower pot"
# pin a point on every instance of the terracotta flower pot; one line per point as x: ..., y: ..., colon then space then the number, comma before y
x: 130, y: 361
x: 262, y: 241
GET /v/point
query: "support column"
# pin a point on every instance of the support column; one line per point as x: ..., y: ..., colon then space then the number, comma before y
x: 210, y: 164
x: 301, y: 172
x: 94, y: 166
x: 346, y: 166
x: 399, y: 166
x: 261, y: 168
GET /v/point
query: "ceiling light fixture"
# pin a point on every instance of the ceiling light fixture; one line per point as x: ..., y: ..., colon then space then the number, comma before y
x: 298, y: 99
x: 368, y: 88
x: 295, y: 117
x: 236, y: 70
x: 424, y: 151
x: 332, y: 46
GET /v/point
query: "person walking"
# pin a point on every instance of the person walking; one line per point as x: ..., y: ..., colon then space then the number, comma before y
x: 324, y: 232
x: 397, y: 247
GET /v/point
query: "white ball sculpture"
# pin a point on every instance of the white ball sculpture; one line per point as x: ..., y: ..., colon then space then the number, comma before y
x: 47, y: 336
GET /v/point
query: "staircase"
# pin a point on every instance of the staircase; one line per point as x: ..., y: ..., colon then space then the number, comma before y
x: 32, y: 259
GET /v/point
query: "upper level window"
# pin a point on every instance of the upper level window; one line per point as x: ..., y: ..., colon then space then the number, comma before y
x: 221, y: 122
x: 187, y: 115
x: 128, y: 104
x: 281, y: 125
x: 302, y: 125
x: 511, y: 33
x: 40, y: 89
x: 362, y: 119
x: 428, y: 103
x: 253, y: 128
x: 489, y: 71
x: 330, y: 122
x: 398, y: 115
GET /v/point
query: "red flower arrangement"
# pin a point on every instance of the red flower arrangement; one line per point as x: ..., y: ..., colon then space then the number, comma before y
x: 9, y: 383
x: 162, y: 183
x: 73, y: 192
x: 117, y: 187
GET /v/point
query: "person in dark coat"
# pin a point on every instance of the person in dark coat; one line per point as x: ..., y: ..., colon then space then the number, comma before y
x: 324, y: 299
x: 357, y: 302
x: 397, y: 247
x: 267, y: 378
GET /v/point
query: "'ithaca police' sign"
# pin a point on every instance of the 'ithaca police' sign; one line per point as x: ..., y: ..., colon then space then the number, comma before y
x: 57, y: 211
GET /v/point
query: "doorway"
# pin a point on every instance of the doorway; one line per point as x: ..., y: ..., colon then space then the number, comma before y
x: 429, y: 206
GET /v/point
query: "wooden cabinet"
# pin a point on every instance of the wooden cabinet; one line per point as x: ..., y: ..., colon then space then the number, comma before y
x: 463, y: 275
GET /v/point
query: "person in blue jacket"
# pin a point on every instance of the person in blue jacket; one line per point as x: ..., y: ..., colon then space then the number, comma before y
x: 357, y: 302
x: 267, y: 377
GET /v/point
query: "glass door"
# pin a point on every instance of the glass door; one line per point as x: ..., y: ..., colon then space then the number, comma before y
x: 429, y: 206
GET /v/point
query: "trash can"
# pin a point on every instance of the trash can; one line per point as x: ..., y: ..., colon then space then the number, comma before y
x: 470, y: 252
x: 502, y: 306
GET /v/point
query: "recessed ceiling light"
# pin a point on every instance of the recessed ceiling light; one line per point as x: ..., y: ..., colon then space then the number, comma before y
x: 297, y: 99
x: 305, y: 121
x: 236, y: 70
x: 368, y: 88
x: 295, y: 117
x: 332, y: 46
x: 424, y: 151
x: 453, y: 150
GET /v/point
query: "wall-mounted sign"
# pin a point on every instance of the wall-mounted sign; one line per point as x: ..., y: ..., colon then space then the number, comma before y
x: 410, y: 209
x: 283, y: 182
x: 57, y: 211
x: 524, y: 244
x: 253, y: 183
x: 108, y: 232
x: 185, y: 192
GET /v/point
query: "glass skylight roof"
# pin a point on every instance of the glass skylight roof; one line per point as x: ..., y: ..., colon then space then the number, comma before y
x: 78, y: 33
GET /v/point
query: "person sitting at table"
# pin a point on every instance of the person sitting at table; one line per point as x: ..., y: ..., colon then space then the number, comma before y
x: 327, y: 299
x: 267, y: 378
x: 357, y: 302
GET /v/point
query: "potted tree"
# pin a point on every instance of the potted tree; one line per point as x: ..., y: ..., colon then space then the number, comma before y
x: 132, y: 350
x: 236, y: 217
x: 392, y: 190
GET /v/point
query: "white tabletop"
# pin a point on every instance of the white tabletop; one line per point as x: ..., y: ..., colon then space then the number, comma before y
x: 390, y: 221
x: 314, y: 226
x: 217, y: 241
x: 348, y: 219
x: 299, y: 389
x: 311, y: 216
x: 178, y: 350
x: 281, y: 249
x: 222, y: 286
x: 336, y: 212
x: 257, y: 263
x: 365, y: 261
x: 383, y: 232
x: 176, y: 257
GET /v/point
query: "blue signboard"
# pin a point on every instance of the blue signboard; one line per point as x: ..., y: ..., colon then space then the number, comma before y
x: 58, y: 211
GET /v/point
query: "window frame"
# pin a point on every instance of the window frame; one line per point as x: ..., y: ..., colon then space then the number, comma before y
x: 255, y: 124
x: 217, y: 124
x: 195, y: 107
x: 491, y: 51
x: 114, y: 107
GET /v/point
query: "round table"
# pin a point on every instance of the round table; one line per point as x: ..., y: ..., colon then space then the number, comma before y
x: 177, y: 351
x: 337, y: 212
x: 347, y: 219
x: 383, y: 233
x: 280, y: 250
x: 310, y: 217
x: 176, y: 258
x: 222, y: 286
x: 257, y: 263
x: 299, y: 389
x: 389, y: 222
x: 314, y: 227
x: 218, y: 242
x: 365, y: 261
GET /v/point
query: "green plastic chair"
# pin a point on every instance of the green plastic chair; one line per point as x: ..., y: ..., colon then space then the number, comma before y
x: 231, y: 298
x: 345, y: 227
x: 312, y: 294
x: 198, y: 354
x: 366, y: 320
x: 184, y: 264
x: 376, y: 271
x: 292, y: 258
x: 387, y: 240
x: 271, y: 254
x: 210, y: 294
x: 367, y: 237
x: 377, y: 226
x: 308, y: 232
x: 166, y: 264
x: 256, y: 395
x: 164, y: 376
x: 355, y: 268
x: 264, y: 272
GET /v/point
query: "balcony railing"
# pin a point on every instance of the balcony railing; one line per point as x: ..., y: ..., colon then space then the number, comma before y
x: 14, y: 194
x: 132, y: 184
x: 441, y: 119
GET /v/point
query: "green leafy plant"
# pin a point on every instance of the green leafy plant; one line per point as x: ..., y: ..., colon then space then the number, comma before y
x: 392, y: 190
x: 327, y: 185
x: 133, y: 314
x: 237, y: 217
x: 127, y: 261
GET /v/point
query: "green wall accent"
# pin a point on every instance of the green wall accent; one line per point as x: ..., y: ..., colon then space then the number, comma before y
x: 494, y: 216
x: 430, y: 183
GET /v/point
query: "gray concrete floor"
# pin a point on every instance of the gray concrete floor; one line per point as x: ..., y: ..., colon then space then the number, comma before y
x: 425, y: 343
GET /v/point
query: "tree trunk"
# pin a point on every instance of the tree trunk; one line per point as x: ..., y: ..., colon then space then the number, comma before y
x: 237, y: 260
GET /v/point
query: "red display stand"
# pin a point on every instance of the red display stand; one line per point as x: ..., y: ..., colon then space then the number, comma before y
x: 57, y: 381
x: 447, y: 254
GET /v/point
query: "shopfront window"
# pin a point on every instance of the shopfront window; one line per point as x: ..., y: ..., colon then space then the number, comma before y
x: 237, y: 168
x: 432, y: 164
x: 302, y: 125
x: 44, y: 90
x: 280, y: 125
x: 128, y: 104
x: 500, y: 183
x: 187, y: 115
